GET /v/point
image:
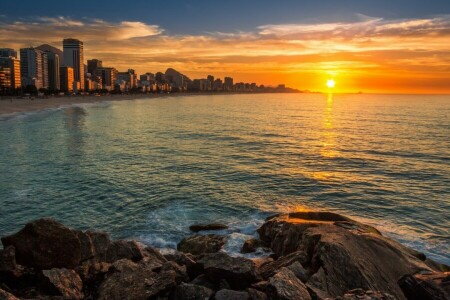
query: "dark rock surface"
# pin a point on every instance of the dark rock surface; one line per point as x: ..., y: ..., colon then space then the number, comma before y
x: 231, y: 295
x: 251, y: 245
x: 187, y: 291
x: 200, y: 244
x: 316, y: 256
x: 64, y: 282
x: 204, y: 227
x: 45, y: 244
x: 239, y: 272
x: 8, y: 259
x: 284, y: 285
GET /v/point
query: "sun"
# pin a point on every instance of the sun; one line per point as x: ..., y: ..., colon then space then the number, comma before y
x: 331, y: 83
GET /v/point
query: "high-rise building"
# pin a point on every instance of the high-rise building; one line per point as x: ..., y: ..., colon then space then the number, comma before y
x: 94, y: 64
x: 210, y: 78
x: 14, y: 68
x: 66, y: 79
x: 228, y: 84
x: 74, y: 57
x: 53, y: 71
x: 33, y: 67
x: 108, y: 76
x: 8, y: 52
x: 130, y: 77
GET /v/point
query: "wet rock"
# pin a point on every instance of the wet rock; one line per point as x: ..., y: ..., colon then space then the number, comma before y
x: 256, y: 295
x: 45, y: 244
x: 129, y: 280
x: 123, y: 250
x: 187, y: 291
x: 4, y: 295
x: 251, y: 245
x: 204, y: 227
x: 7, y: 259
x: 435, y: 286
x: 63, y: 282
x: 341, y: 254
x: 285, y: 286
x: 239, y: 272
x: 269, y: 269
x: 200, y: 244
x: 231, y: 295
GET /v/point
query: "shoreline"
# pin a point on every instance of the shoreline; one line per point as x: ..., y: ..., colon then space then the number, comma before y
x: 10, y: 106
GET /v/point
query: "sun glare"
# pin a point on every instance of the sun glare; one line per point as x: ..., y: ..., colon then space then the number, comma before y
x: 331, y: 83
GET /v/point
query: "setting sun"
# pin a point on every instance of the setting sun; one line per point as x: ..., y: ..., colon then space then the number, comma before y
x: 331, y: 83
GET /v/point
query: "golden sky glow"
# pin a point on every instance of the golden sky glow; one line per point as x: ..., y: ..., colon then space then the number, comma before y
x: 372, y: 55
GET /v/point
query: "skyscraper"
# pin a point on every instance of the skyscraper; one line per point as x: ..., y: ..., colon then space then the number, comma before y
x: 74, y: 57
x: 33, y: 67
x: 93, y: 65
x: 66, y: 79
x: 228, y: 83
x: 8, y: 52
x: 53, y: 71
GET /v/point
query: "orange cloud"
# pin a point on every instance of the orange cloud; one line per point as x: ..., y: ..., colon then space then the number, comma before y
x: 372, y: 55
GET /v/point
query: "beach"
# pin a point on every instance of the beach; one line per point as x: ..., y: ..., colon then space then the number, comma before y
x: 19, y: 105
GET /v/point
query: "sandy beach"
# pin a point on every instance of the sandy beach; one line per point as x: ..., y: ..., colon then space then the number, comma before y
x: 17, y: 105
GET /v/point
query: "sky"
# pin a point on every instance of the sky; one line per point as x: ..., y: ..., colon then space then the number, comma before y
x: 394, y: 46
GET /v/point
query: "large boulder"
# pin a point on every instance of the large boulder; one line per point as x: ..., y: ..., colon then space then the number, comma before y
x: 269, y: 269
x: 251, y: 245
x: 123, y: 249
x: 130, y: 280
x: 188, y: 291
x: 200, y: 244
x: 284, y: 285
x: 204, y: 227
x: 63, y: 282
x: 45, y: 244
x: 238, y: 272
x: 341, y: 254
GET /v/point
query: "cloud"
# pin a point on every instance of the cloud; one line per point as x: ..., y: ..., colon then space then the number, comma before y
x: 411, y: 47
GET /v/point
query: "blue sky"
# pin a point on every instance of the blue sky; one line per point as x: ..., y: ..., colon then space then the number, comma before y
x: 199, y: 16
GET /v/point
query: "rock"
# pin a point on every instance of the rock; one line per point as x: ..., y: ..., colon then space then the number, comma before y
x: 7, y: 259
x: 269, y: 269
x: 261, y: 286
x: 299, y: 271
x: 231, y: 295
x: 180, y: 271
x: 187, y: 291
x: 239, y: 272
x: 285, y: 286
x: 200, y: 244
x: 435, y: 286
x: 4, y: 295
x: 100, y: 241
x: 64, y: 282
x: 261, y: 261
x: 203, y: 227
x: 130, y: 280
x: 203, y: 281
x: 251, y: 245
x: 358, y: 294
x: 45, y: 244
x: 123, y: 249
x: 87, y: 248
x: 256, y: 295
x: 341, y: 254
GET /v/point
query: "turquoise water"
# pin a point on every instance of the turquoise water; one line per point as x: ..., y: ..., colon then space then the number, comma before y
x: 148, y: 169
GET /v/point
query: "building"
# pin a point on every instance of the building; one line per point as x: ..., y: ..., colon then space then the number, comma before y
x: 108, y: 76
x: 5, y: 78
x: 74, y: 57
x: 211, y: 79
x: 66, y: 79
x: 8, y: 52
x: 93, y: 65
x: 217, y: 85
x: 13, y: 65
x: 34, y: 67
x: 147, y: 77
x: 228, y: 84
x: 53, y: 71
x: 130, y: 78
x: 178, y: 81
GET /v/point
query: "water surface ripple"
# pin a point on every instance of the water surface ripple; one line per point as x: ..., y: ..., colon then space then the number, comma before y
x: 148, y: 169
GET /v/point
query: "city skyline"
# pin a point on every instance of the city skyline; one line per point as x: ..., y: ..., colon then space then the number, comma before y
x: 389, y: 48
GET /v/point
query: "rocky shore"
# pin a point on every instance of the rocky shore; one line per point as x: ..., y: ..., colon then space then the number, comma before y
x: 316, y: 255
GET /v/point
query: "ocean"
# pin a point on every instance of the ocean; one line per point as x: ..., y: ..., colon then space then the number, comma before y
x: 147, y: 169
